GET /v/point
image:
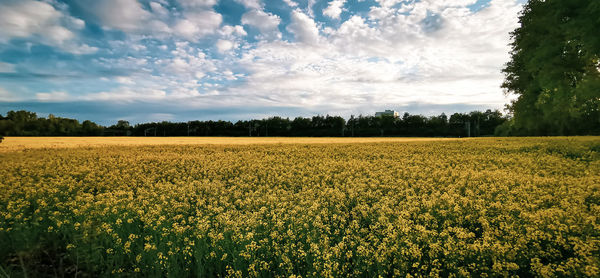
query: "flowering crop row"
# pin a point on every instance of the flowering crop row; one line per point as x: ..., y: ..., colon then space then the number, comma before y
x: 485, y: 207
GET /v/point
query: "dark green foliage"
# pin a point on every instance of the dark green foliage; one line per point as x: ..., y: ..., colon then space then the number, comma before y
x: 23, y: 123
x: 555, y: 69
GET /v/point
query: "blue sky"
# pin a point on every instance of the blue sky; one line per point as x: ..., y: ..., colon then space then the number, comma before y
x: 180, y: 60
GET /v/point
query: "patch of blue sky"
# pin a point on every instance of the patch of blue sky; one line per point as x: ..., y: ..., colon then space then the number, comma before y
x: 378, y: 59
x: 41, y: 68
x: 283, y: 11
x: 37, y: 57
x: 25, y: 86
x: 432, y: 22
x: 108, y: 113
x: 479, y: 5
x: 360, y: 7
x: 231, y: 11
x: 351, y: 8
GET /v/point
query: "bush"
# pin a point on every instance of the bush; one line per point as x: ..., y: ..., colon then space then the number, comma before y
x: 505, y: 129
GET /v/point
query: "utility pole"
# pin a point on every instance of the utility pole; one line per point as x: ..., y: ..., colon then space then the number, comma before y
x: 188, y: 124
x: 468, y: 128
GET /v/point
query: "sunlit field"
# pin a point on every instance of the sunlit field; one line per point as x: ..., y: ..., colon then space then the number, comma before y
x: 20, y: 143
x: 312, y: 207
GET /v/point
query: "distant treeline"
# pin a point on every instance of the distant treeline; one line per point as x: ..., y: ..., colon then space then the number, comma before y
x: 25, y: 123
x: 476, y: 123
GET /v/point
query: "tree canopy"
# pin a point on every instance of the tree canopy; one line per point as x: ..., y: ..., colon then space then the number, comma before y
x: 555, y: 69
x: 24, y: 123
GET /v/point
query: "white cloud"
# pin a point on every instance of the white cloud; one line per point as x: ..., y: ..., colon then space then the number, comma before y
x: 186, y: 29
x: 224, y: 45
x: 198, y: 24
x: 52, y: 96
x: 197, y: 19
x: 59, y: 34
x: 435, y: 6
x: 199, y: 75
x: 41, y: 22
x: 388, y: 3
x: 125, y: 15
x: 125, y: 80
x: 23, y: 19
x: 291, y: 3
x: 267, y: 23
x: 236, y: 30
x: 229, y: 75
x: 304, y: 28
x: 7, y: 68
x: 179, y: 65
x: 179, y: 76
x: 197, y: 3
x: 157, y: 117
x: 386, y: 58
x: 311, y: 3
x: 184, y: 69
x: 159, y: 10
x: 80, y: 49
x: 76, y: 23
x: 334, y: 10
x: 251, y: 4
x: 125, y: 94
x: 6, y: 95
x: 390, y: 60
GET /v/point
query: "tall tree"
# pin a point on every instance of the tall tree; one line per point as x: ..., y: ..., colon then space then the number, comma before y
x: 555, y: 68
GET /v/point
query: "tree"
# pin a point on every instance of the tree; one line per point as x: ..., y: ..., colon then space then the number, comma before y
x: 122, y: 128
x: 122, y: 124
x: 90, y: 128
x: 555, y: 68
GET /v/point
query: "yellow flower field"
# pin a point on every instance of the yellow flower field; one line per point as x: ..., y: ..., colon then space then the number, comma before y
x: 21, y: 143
x: 343, y: 207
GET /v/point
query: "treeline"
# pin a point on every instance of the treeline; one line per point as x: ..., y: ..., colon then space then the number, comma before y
x: 25, y: 123
x: 476, y: 123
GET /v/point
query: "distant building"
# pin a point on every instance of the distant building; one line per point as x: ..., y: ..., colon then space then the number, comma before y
x: 387, y: 113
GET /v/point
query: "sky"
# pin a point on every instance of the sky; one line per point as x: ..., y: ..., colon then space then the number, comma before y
x: 179, y: 60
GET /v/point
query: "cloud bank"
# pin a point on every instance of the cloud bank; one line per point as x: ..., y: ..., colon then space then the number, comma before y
x: 337, y: 56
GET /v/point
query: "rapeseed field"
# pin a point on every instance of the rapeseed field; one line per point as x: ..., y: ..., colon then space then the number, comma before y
x: 477, y: 207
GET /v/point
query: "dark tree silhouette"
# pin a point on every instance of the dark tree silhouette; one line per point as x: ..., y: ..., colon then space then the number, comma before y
x: 23, y: 123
